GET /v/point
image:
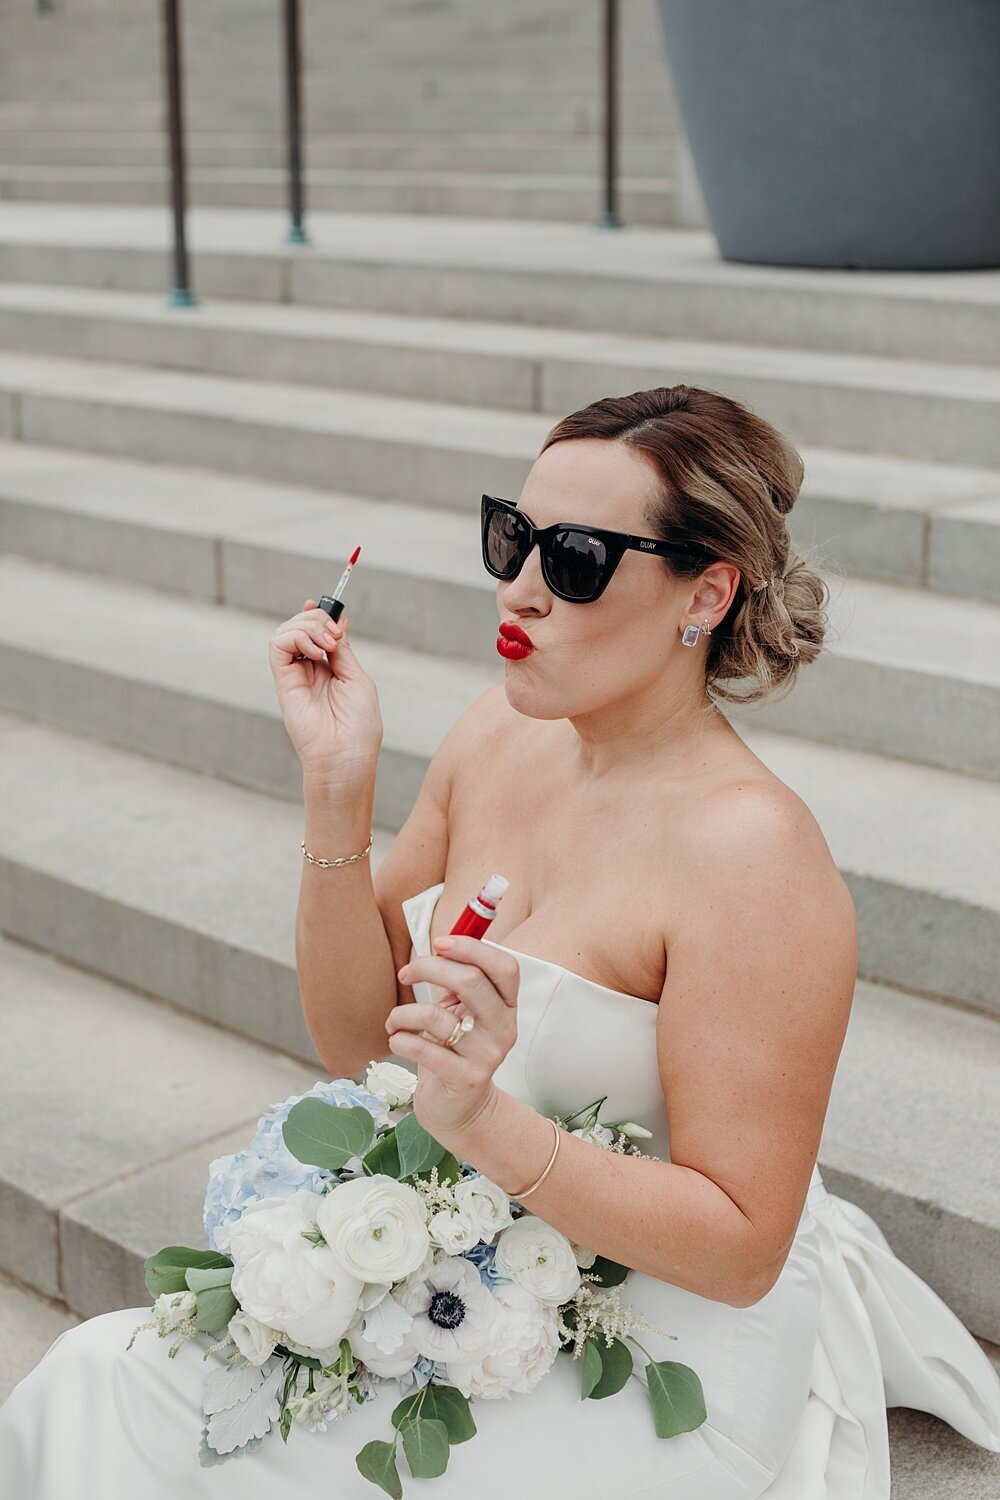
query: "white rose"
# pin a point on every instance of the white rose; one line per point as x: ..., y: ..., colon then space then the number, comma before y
x: 173, y: 1308
x: 600, y: 1135
x: 392, y: 1084
x: 540, y: 1258
x: 485, y: 1204
x: 254, y: 1340
x: 454, y: 1232
x: 376, y: 1226
x: 525, y: 1343
x: 288, y: 1282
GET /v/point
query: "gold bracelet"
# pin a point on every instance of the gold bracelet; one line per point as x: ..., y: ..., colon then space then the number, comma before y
x: 518, y: 1197
x: 329, y: 863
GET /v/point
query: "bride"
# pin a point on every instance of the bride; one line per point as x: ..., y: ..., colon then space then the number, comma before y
x: 675, y: 936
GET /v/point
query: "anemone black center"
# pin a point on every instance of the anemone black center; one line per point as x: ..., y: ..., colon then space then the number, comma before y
x: 446, y: 1310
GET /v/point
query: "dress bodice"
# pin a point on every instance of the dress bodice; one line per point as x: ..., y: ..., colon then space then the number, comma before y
x: 576, y: 1039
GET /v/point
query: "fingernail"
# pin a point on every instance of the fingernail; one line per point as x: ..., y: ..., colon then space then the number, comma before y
x: 443, y: 942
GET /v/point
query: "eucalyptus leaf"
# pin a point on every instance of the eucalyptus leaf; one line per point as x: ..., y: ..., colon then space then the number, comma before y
x: 165, y: 1271
x: 249, y: 1419
x: 327, y: 1135
x: 617, y: 1367
x: 448, y: 1405
x: 216, y: 1305
x: 425, y: 1443
x: 200, y: 1278
x: 384, y: 1156
x: 418, y: 1150
x: 593, y: 1368
x: 677, y: 1397
x: 377, y: 1462
x: 609, y: 1271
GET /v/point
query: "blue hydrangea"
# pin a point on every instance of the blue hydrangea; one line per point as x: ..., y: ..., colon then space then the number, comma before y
x: 267, y: 1168
x: 418, y: 1375
x: 483, y: 1257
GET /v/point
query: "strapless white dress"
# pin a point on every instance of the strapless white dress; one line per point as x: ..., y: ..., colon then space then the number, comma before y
x: 796, y: 1386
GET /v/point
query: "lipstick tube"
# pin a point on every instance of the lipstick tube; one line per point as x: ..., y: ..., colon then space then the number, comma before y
x: 475, y: 917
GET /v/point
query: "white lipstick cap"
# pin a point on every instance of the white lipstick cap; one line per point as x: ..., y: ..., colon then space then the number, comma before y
x: 494, y: 888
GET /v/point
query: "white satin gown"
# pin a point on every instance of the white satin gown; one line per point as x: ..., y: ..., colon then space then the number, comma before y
x: 796, y: 1386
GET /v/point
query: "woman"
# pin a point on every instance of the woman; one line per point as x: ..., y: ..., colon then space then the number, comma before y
x: 676, y: 936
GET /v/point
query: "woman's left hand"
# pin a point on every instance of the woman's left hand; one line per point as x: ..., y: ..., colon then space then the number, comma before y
x: 455, y: 1084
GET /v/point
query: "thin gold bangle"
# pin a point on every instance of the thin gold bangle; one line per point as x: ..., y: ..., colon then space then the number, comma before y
x: 330, y: 863
x: 518, y: 1197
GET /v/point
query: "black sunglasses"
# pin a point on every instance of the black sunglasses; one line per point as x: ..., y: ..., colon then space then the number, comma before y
x: 577, y: 561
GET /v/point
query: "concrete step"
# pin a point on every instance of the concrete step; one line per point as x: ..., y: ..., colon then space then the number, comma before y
x: 919, y: 848
x: 108, y: 1090
x: 114, y: 1170
x: 889, y: 679
x: 179, y: 885
x: 553, y: 152
x: 451, y: 452
x: 921, y: 409
x: 528, y: 195
x: 649, y: 282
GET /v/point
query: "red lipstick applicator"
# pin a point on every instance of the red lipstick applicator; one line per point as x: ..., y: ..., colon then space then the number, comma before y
x: 333, y: 603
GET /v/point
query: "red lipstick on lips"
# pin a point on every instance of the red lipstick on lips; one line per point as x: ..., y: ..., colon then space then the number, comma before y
x: 513, y: 643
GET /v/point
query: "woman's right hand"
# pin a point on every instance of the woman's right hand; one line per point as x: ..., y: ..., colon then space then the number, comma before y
x: 328, y: 702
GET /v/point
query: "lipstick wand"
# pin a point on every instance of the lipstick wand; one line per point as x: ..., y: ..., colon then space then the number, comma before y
x: 333, y: 603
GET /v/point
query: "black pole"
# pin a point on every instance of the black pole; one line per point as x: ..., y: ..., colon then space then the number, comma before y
x: 610, y: 63
x: 293, y: 98
x: 181, y: 295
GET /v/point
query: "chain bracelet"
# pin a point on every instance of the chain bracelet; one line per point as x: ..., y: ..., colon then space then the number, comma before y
x: 328, y: 864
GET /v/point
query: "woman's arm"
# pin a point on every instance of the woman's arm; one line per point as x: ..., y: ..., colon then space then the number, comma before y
x: 752, y: 1018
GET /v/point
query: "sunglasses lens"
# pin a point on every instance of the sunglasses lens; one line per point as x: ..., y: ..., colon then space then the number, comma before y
x: 577, y: 562
x: 504, y: 538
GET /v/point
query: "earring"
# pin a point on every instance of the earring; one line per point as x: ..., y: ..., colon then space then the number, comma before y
x: 692, y: 633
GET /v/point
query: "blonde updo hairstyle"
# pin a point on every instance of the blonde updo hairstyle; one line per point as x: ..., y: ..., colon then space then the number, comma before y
x: 727, y: 479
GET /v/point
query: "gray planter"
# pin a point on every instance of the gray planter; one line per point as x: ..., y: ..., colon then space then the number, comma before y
x: 843, y: 132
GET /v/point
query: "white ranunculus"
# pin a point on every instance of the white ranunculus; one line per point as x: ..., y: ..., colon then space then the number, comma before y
x: 539, y: 1258
x: 286, y: 1281
x: 253, y: 1339
x: 584, y: 1258
x: 599, y: 1134
x: 172, y: 1309
x: 454, y: 1232
x: 391, y: 1083
x: 453, y: 1312
x: 525, y: 1343
x: 485, y: 1204
x: 376, y: 1227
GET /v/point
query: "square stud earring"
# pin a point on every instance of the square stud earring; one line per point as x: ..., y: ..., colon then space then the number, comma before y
x: 690, y: 636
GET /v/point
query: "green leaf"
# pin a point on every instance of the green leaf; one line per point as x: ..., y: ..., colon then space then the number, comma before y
x: 377, y: 1462
x: 677, y: 1397
x: 327, y: 1135
x: 418, y: 1150
x: 199, y: 1278
x: 593, y: 1368
x: 449, y: 1169
x: 216, y: 1306
x: 447, y: 1404
x: 616, y: 1368
x: 384, y: 1156
x: 609, y: 1271
x: 425, y: 1443
x: 165, y: 1270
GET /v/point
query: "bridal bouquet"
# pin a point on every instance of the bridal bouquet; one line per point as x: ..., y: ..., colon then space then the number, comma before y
x: 350, y: 1249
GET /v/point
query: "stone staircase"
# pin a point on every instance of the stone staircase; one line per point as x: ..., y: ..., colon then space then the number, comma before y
x: 418, y: 106
x: 174, y: 481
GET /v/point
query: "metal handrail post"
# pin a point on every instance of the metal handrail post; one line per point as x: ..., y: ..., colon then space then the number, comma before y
x: 610, y: 219
x: 181, y: 295
x: 293, y: 100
